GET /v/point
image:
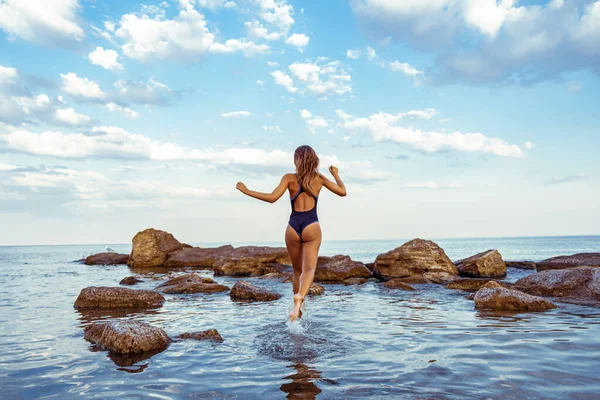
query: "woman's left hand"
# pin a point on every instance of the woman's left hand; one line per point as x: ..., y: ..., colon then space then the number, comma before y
x: 241, y: 187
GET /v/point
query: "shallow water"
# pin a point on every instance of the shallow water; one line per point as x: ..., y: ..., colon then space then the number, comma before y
x: 354, y: 342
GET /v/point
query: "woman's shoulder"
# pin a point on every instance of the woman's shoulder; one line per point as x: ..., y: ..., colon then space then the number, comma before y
x: 289, y: 177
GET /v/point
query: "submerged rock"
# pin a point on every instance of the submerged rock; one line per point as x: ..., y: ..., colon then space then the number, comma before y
x: 117, y: 297
x: 316, y: 290
x: 151, y: 247
x: 581, y: 283
x: 108, y: 258
x: 355, y: 281
x: 492, y: 296
x: 488, y: 264
x: 210, y: 334
x: 130, y: 280
x: 575, y: 260
x: 252, y: 261
x: 413, y: 280
x: 521, y: 264
x: 127, y: 337
x: 469, y: 284
x: 416, y: 257
x: 191, y: 283
x: 440, y: 277
x: 197, y: 257
x: 339, y: 268
x: 244, y: 291
x: 397, y: 284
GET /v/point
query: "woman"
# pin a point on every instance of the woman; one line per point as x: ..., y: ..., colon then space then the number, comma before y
x: 303, y: 233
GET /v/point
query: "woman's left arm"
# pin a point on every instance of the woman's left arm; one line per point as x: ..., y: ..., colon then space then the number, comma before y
x: 268, y: 197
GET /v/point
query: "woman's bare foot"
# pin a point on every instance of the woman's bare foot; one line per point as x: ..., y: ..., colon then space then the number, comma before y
x: 295, y: 313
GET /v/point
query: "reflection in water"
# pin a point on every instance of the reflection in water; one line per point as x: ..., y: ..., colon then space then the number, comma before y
x: 302, y: 385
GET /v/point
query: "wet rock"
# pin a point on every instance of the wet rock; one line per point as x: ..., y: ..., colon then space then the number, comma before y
x: 469, y: 284
x: 191, y: 283
x: 130, y: 280
x: 197, y: 257
x: 521, y: 264
x: 492, y: 296
x: 109, y: 258
x: 339, y: 268
x: 252, y: 261
x: 414, y: 280
x: 151, y: 247
x: 577, y: 283
x: 416, y: 257
x: 488, y: 264
x: 576, y: 260
x: 355, y: 281
x: 127, y: 337
x: 440, y: 277
x: 471, y: 296
x: 244, y: 291
x: 316, y: 290
x: 117, y: 297
x: 397, y: 284
x: 370, y: 266
x: 283, y: 276
x: 210, y: 335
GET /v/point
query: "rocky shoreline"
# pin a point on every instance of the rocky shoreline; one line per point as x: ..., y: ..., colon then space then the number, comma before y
x: 573, y: 278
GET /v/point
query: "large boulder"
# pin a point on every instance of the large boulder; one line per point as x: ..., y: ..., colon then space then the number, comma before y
x: 339, y: 268
x: 576, y: 260
x: 492, y: 296
x: 521, y: 264
x: 108, y: 258
x: 197, y: 257
x: 211, y: 335
x: 440, y: 277
x: 126, y: 337
x: 151, y: 247
x: 581, y: 283
x: 252, y: 261
x: 413, y: 258
x: 469, y: 284
x: 488, y: 264
x: 191, y: 283
x: 244, y: 291
x: 117, y: 297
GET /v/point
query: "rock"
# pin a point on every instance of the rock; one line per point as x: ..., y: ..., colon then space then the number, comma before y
x: 488, y: 264
x: 151, y: 247
x: 243, y: 291
x: 126, y: 337
x: 413, y: 258
x: 577, y: 283
x: 354, y: 281
x: 191, y: 283
x: 197, y: 257
x: 252, y: 261
x: 130, y: 280
x: 210, y: 334
x: 439, y: 277
x: 576, y: 260
x: 316, y: 290
x: 339, y: 268
x: 492, y: 296
x: 397, y: 284
x: 107, y: 259
x: 370, y: 266
x: 469, y: 284
x: 117, y: 297
x: 471, y: 296
x: 521, y: 264
x: 277, y: 275
x: 413, y: 280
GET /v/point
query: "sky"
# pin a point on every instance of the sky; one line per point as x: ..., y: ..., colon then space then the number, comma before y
x: 446, y: 118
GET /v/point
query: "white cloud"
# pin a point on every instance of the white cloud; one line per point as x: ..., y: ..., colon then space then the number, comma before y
x: 256, y: 29
x: 7, y: 75
x: 313, y: 123
x: 305, y: 114
x: 153, y: 93
x: 52, y: 22
x: 272, y: 128
x: 405, y: 68
x: 81, y: 87
x: 236, y: 114
x: 128, y: 112
x: 385, y: 127
x: 353, y: 54
x: 278, y: 13
x: 528, y: 145
x: 70, y: 117
x: 371, y: 54
x: 272, y: 64
x: 284, y: 80
x: 299, y: 40
x: 107, y: 59
x: 322, y: 77
x: 7, y: 167
x: 260, y: 82
x: 432, y: 185
x: 241, y: 45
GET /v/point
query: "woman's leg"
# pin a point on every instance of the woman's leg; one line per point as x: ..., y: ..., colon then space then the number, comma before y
x: 294, y: 248
x: 311, y: 241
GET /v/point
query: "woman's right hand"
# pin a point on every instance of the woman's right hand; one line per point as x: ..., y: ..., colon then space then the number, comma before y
x: 333, y: 170
x: 241, y: 187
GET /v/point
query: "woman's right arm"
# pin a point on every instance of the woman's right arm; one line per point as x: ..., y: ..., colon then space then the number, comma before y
x: 338, y: 187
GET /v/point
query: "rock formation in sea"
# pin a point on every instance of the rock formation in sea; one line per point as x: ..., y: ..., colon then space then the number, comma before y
x: 316, y: 290
x: 488, y: 264
x: 521, y: 264
x: 579, y: 283
x: 416, y: 257
x: 572, y: 261
x: 106, y: 259
x: 493, y: 296
x: 150, y: 248
x: 244, y: 291
x: 339, y: 268
x: 211, y: 335
x: 191, y: 283
x: 127, y: 336
x: 252, y: 261
x: 397, y: 284
x: 197, y: 257
x: 471, y: 284
x: 130, y: 280
x: 117, y: 297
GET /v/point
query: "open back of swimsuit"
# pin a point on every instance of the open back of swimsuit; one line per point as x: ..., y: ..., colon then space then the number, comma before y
x: 301, y: 219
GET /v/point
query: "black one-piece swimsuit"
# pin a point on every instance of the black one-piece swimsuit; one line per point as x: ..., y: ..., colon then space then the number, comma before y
x: 301, y: 219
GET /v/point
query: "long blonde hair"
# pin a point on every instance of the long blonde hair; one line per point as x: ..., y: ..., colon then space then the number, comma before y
x: 307, y: 164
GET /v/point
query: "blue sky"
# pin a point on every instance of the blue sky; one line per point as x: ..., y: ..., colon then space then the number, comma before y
x: 446, y: 118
